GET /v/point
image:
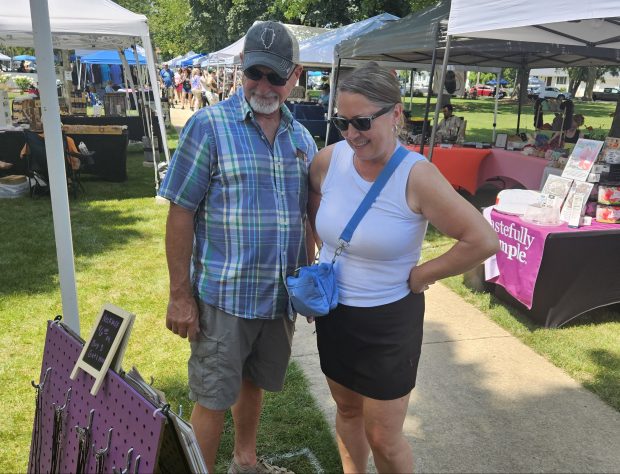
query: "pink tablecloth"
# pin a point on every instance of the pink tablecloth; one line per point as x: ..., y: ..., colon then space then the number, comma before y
x: 521, y: 249
x: 523, y: 169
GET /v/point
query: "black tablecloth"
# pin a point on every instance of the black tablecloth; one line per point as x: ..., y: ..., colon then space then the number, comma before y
x: 579, y: 272
x: 110, y: 158
x: 134, y: 124
x: 11, y: 143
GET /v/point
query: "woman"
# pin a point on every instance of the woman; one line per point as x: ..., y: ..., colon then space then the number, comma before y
x: 573, y: 133
x: 186, y: 77
x: 369, y: 345
x: 196, y: 100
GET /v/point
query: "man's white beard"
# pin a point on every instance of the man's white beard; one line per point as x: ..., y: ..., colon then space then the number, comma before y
x: 264, y: 105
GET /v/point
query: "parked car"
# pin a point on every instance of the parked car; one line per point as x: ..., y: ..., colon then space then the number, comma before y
x: 608, y: 93
x: 553, y: 93
x: 481, y: 90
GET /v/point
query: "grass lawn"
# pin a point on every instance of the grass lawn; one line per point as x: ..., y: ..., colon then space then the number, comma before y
x: 118, y: 232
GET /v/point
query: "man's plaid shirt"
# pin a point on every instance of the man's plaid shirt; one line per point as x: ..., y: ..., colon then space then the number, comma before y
x: 249, y: 200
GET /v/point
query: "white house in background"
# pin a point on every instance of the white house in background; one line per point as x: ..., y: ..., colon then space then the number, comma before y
x: 559, y: 78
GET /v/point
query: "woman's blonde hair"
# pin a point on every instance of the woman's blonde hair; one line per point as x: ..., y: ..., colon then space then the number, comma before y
x: 377, y: 84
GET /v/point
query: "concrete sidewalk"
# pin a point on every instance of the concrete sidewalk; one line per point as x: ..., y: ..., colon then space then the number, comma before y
x: 485, y: 402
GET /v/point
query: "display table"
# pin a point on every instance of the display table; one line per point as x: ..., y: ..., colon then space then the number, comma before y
x: 135, y: 125
x: 110, y: 156
x: 554, y: 273
x: 470, y: 168
x: 513, y: 167
x: 11, y: 143
x: 110, y: 146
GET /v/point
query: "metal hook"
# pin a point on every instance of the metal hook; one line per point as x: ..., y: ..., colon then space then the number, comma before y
x: 136, y: 465
x: 104, y: 451
x: 88, y: 427
x: 67, y: 400
x: 164, y: 410
x: 180, y: 410
x: 40, y: 385
x: 128, y: 464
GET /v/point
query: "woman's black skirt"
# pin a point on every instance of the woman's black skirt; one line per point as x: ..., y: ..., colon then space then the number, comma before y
x: 373, y: 351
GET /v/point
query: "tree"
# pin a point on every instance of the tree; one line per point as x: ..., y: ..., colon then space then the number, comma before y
x: 170, y: 24
x: 208, y: 20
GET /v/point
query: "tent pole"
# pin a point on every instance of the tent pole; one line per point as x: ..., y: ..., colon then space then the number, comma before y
x: 497, y: 89
x: 333, y: 79
x: 522, y: 83
x: 150, y: 64
x: 42, y: 34
x: 412, y: 72
x: 128, y: 78
x: 429, y: 92
x: 444, y: 68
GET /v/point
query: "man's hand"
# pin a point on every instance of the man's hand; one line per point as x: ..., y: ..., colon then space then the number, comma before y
x: 182, y: 317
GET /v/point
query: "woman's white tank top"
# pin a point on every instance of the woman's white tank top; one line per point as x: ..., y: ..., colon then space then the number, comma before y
x: 374, y: 268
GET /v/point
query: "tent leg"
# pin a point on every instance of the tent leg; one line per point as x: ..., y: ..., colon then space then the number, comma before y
x: 41, y: 29
x: 497, y: 88
x: 444, y: 68
x: 429, y: 92
x: 333, y: 78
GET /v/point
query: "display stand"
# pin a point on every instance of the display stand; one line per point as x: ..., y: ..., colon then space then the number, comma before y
x: 75, y: 431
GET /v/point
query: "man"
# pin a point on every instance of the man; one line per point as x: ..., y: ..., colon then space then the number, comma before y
x: 167, y: 82
x: 448, y: 129
x: 237, y: 186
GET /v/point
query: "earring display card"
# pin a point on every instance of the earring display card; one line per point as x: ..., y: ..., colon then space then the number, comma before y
x: 134, y: 422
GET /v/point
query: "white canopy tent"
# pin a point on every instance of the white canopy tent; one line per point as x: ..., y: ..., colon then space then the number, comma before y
x: 229, y: 55
x: 4, y: 57
x: 68, y: 25
x: 591, y: 23
x: 319, y: 50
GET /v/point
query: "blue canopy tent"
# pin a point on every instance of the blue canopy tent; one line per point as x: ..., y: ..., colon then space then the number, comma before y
x: 112, y: 57
x: 24, y: 57
x: 493, y: 82
x: 190, y: 61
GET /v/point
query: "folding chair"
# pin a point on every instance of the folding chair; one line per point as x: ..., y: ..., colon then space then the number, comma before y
x: 37, y: 170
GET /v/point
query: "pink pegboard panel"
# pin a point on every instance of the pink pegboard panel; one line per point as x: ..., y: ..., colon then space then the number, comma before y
x: 134, y: 421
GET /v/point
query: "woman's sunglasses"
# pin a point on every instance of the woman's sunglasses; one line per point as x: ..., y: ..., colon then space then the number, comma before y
x: 255, y: 74
x: 362, y: 124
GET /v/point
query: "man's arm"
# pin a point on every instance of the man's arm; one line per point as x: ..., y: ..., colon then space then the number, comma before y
x: 182, y: 314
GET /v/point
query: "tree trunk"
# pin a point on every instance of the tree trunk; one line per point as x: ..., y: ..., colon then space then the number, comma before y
x: 573, y: 86
x: 590, y: 80
x: 614, y: 131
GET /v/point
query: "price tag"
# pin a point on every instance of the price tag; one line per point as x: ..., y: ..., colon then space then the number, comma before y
x: 106, y: 345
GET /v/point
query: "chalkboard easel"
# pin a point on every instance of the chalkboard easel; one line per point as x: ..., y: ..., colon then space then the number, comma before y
x: 106, y: 345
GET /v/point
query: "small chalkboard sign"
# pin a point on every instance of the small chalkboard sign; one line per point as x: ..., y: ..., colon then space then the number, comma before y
x: 106, y: 345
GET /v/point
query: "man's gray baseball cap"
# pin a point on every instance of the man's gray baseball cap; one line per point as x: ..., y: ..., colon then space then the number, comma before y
x: 271, y: 44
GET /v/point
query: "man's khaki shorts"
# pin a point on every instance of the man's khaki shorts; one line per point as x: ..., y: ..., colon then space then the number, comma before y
x: 229, y: 349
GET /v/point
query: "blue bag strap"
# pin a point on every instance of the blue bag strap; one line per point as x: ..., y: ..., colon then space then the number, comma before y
x: 370, y: 198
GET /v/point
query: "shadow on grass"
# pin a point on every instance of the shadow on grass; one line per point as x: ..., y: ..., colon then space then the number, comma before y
x: 28, y: 263
x: 606, y: 383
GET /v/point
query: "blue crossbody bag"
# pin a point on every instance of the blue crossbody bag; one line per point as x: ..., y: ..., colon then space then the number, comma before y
x: 313, y: 289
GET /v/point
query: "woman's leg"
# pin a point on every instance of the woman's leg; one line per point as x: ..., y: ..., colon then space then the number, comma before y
x: 352, y: 443
x: 383, y: 421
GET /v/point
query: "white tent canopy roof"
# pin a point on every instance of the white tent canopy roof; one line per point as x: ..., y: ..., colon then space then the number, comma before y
x: 591, y: 23
x: 319, y: 51
x: 4, y: 57
x: 75, y: 24
x: 230, y: 54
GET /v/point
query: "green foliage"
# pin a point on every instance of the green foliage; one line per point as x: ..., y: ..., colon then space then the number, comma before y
x: 4, y: 78
x: 23, y: 82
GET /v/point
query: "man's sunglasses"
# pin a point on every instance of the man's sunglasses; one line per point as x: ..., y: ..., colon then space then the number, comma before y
x: 362, y: 124
x: 256, y: 74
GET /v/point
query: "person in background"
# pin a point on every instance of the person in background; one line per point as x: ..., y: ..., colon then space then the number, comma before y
x: 186, y: 77
x: 573, y: 133
x: 167, y: 83
x: 324, y: 97
x: 237, y: 187
x: 449, y: 127
x: 196, y: 101
x: 369, y: 346
x: 22, y: 67
x: 178, y: 86
x: 212, y: 89
x: 109, y: 87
